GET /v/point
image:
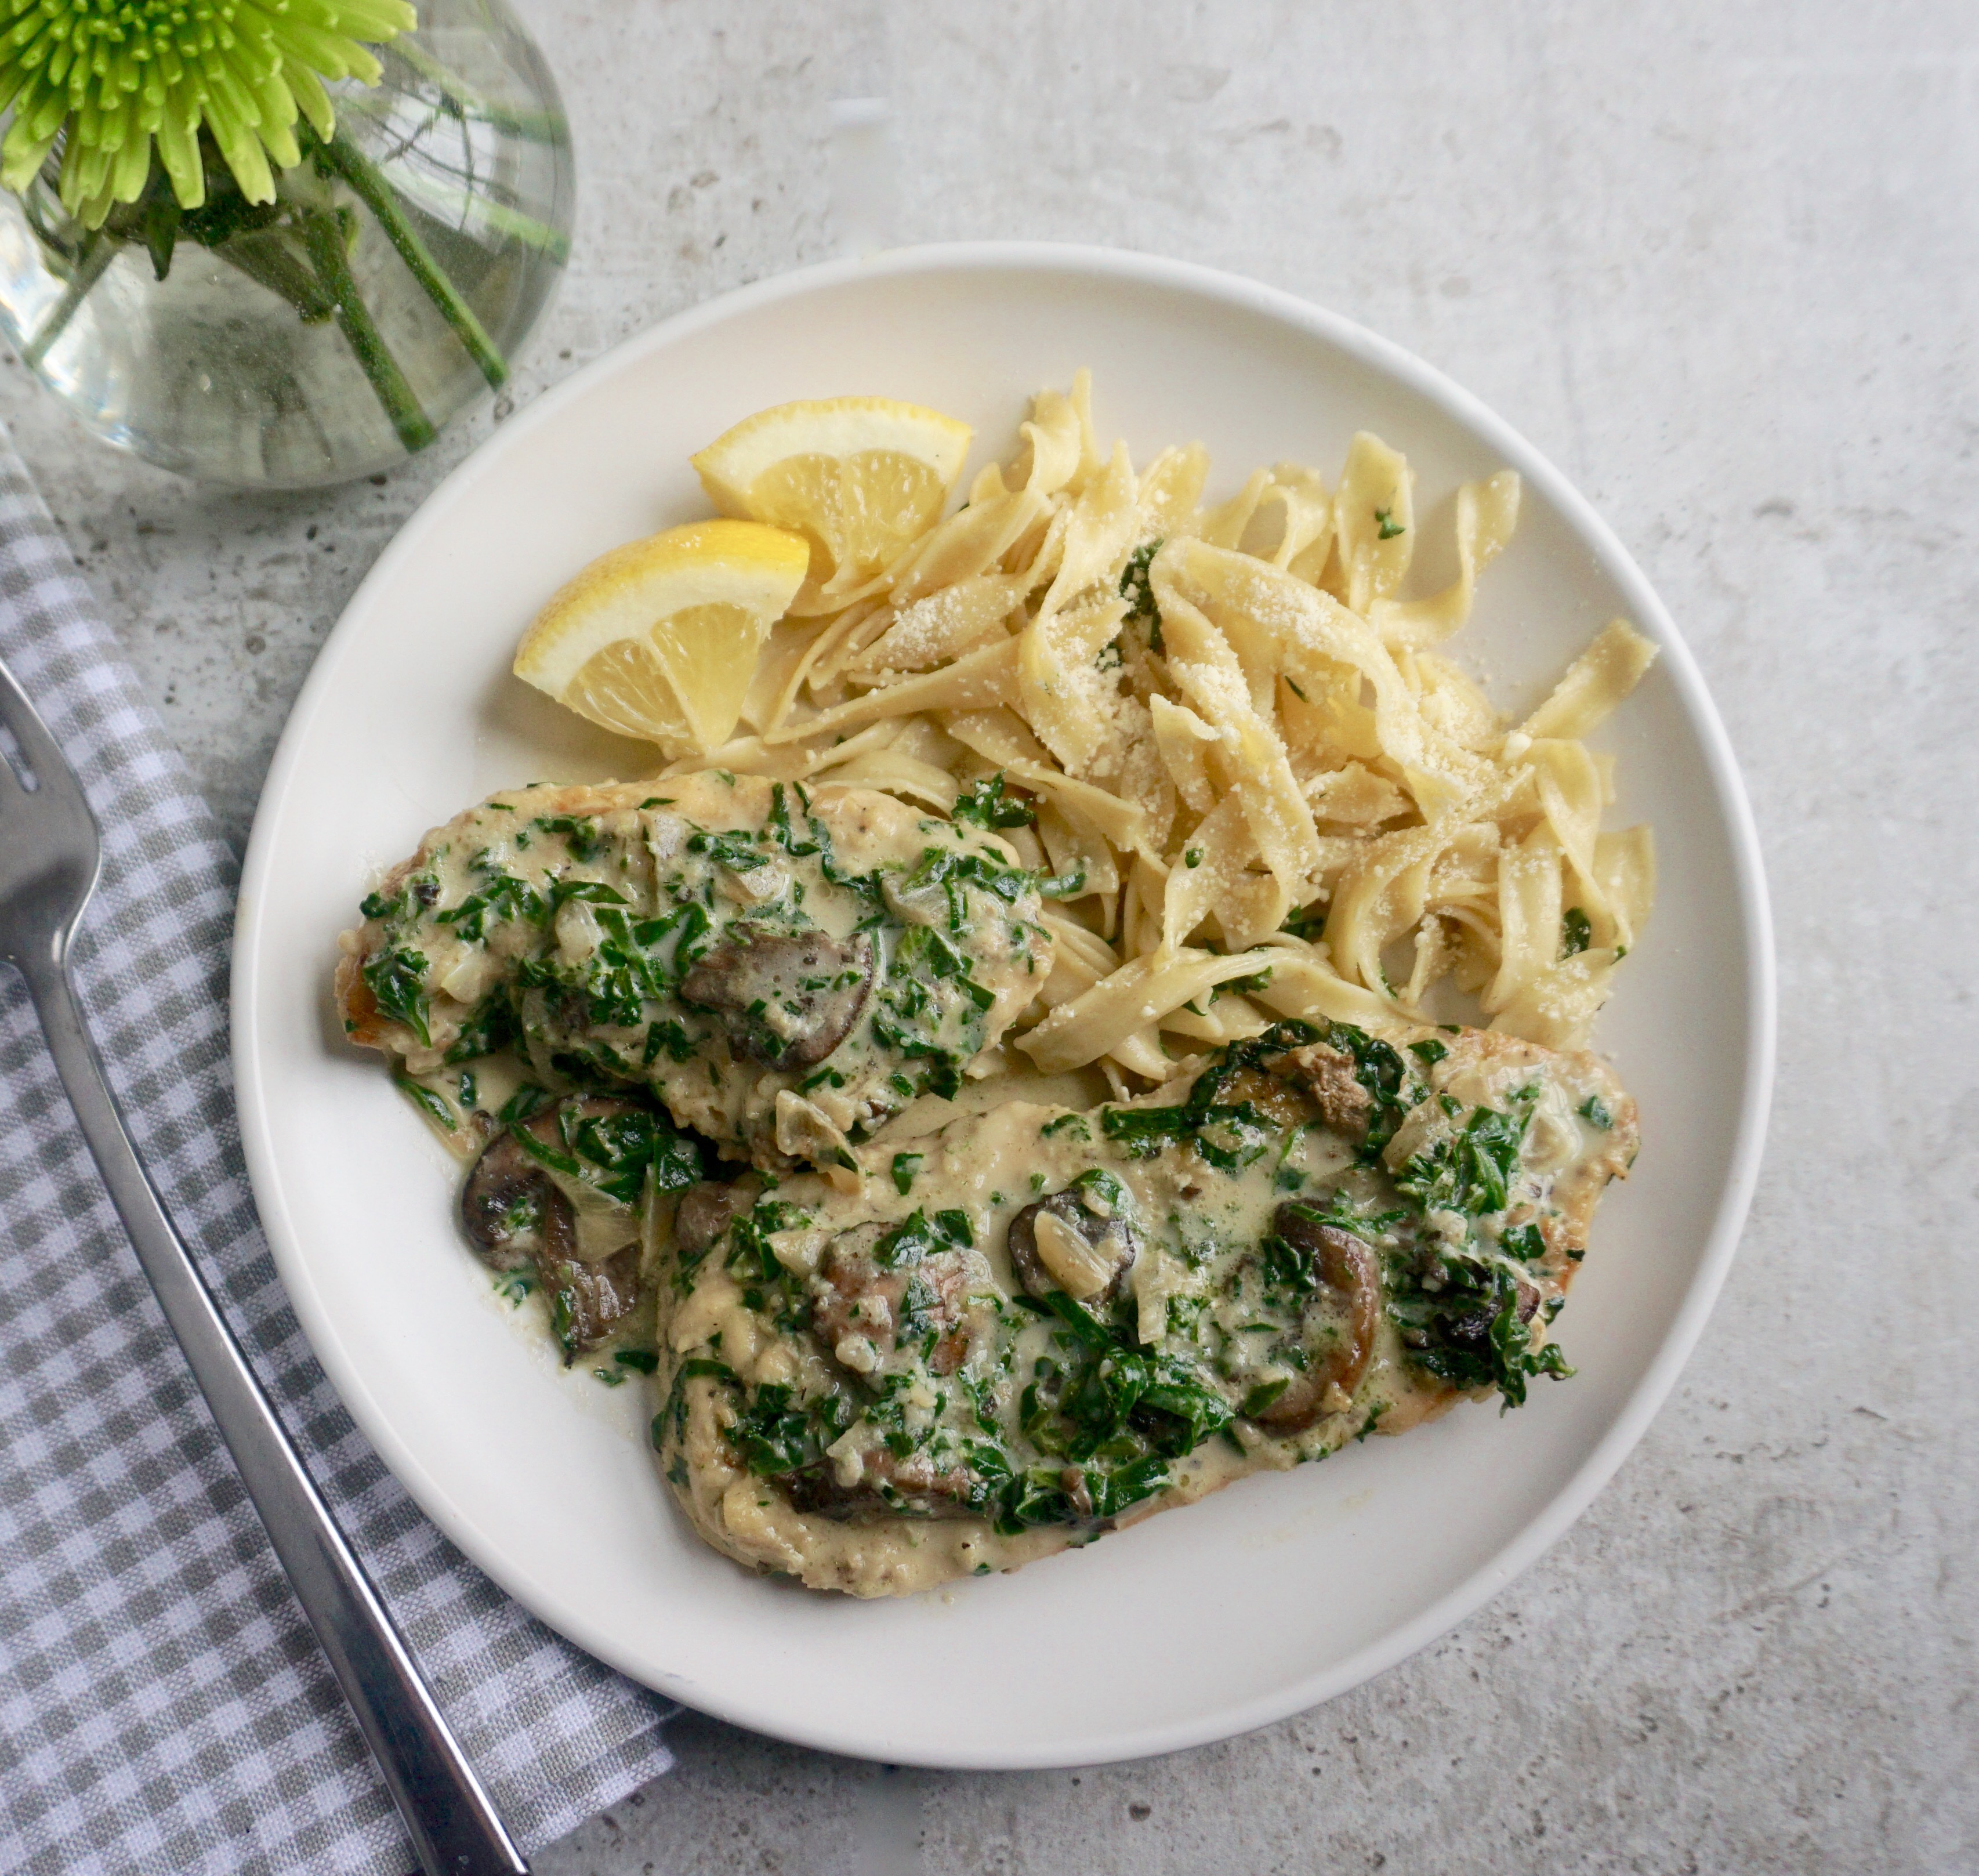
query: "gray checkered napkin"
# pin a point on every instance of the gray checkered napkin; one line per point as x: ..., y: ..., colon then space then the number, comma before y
x: 163, y: 1706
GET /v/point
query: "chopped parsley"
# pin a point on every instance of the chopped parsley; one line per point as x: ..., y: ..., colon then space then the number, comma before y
x: 1306, y: 922
x: 1137, y: 588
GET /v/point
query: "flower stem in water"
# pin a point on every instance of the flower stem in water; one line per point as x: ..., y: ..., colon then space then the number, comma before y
x: 266, y: 259
x: 332, y: 272
x: 342, y: 159
x: 542, y: 127
x: 97, y: 250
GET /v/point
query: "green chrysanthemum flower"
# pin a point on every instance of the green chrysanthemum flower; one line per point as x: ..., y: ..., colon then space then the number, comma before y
x: 121, y: 73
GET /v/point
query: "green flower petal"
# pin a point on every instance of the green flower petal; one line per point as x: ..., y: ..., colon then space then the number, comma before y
x: 22, y: 153
x: 120, y: 75
x: 312, y: 101
x: 178, y: 149
x: 134, y: 168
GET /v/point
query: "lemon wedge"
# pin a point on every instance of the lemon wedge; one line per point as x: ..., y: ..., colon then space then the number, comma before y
x: 658, y: 639
x: 858, y: 477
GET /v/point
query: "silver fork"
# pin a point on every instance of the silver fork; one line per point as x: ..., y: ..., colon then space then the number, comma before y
x: 50, y: 858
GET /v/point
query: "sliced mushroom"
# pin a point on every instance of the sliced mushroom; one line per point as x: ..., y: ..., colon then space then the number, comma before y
x: 794, y: 996
x: 703, y: 1215
x: 1328, y: 1075
x: 1338, y: 1330
x: 1064, y: 1243
x: 886, y: 1487
x: 855, y: 1301
x: 1472, y: 1330
x: 504, y: 1204
x: 1283, y: 1103
x: 515, y: 1216
x: 588, y: 1301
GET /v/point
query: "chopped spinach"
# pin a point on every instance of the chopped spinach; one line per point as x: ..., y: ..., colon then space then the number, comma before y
x: 1065, y: 886
x: 583, y: 832
x: 736, y: 851
x: 396, y: 979
x: 919, y: 1236
x: 1526, y: 1242
x: 502, y: 897
x: 614, y: 1153
x: 987, y: 805
x: 1228, y: 1135
x: 776, y: 1434
x: 1452, y: 1340
x: 434, y: 1108
x: 595, y: 891
x: 491, y: 1026
x: 1471, y: 1171
x: 1380, y: 1070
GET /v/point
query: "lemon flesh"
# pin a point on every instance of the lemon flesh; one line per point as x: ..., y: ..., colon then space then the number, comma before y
x: 858, y: 477
x: 659, y: 639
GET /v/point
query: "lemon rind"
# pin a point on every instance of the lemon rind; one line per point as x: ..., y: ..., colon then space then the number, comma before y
x: 624, y: 593
x: 838, y: 427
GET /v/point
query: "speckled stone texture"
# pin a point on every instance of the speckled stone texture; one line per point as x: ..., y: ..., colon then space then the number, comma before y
x: 1722, y: 263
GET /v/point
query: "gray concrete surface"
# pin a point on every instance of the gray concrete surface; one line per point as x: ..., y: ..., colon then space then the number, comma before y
x: 1722, y: 264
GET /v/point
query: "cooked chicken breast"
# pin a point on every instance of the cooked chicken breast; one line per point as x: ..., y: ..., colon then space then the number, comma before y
x: 784, y: 971
x: 1038, y: 1324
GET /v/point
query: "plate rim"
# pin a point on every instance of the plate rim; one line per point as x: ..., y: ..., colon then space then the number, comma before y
x: 1632, y: 1420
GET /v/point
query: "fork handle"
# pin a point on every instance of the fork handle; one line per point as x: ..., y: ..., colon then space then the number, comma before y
x: 453, y: 1824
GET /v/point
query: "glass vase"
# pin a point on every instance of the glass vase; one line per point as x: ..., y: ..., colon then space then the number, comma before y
x: 328, y: 334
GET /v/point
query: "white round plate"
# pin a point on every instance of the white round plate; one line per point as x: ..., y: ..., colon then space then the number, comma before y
x: 1274, y: 1595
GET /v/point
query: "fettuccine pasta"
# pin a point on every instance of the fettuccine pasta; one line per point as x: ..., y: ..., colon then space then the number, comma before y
x: 1259, y: 788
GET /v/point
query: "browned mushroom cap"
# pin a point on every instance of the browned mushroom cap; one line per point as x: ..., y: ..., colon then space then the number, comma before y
x: 504, y: 1203
x: 888, y: 1487
x: 704, y: 1216
x: 588, y: 1301
x: 796, y: 996
x: 1060, y: 1243
x: 852, y: 1296
x: 1472, y: 1329
x: 1340, y: 1319
x: 1327, y: 1074
x: 515, y: 1216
